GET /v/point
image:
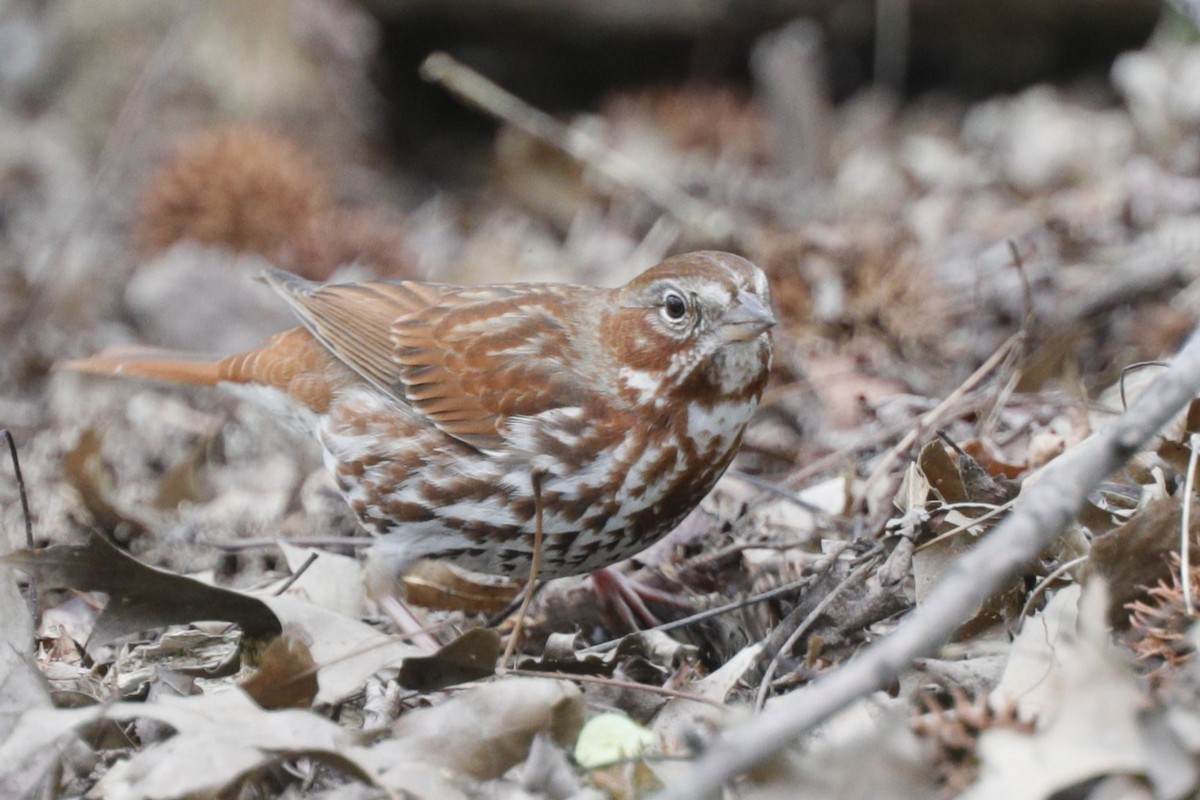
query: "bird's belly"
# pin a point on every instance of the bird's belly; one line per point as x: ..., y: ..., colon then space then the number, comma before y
x: 430, y: 496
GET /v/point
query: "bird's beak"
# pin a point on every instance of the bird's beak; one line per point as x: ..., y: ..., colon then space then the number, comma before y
x: 745, y: 319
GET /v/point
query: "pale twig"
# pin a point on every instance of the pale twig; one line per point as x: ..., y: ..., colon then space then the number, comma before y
x: 1047, y: 507
x: 615, y: 683
x: 535, y: 567
x: 700, y: 617
x: 234, y: 545
x: 845, y: 455
x: 991, y: 420
x: 16, y: 462
x: 1185, y: 539
x: 575, y: 141
x: 1128, y: 368
x: 1046, y: 581
x: 934, y: 416
x: 295, y: 576
x: 779, y: 491
x: 769, y: 674
x: 966, y: 526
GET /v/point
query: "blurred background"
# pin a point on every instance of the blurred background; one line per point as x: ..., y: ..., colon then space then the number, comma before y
x: 920, y: 178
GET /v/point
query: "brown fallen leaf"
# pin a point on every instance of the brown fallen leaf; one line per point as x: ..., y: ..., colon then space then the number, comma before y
x: 140, y: 597
x: 286, y: 676
x: 186, y: 481
x: 470, y: 657
x: 480, y: 734
x: 991, y: 459
x: 347, y: 650
x: 1133, y: 557
x: 941, y: 471
x: 435, y: 584
x: 980, y: 486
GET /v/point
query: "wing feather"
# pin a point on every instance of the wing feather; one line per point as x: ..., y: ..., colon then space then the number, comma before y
x: 466, y: 358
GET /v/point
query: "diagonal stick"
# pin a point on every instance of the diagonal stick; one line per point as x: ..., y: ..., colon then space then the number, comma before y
x: 1037, y: 520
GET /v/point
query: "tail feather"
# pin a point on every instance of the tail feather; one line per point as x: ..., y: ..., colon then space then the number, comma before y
x: 154, y: 364
x: 292, y: 362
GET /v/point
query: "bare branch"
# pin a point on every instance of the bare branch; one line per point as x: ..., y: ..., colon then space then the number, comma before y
x: 576, y: 142
x: 1047, y: 508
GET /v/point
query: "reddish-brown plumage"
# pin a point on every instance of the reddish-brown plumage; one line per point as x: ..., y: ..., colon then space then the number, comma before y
x: 437, y: 404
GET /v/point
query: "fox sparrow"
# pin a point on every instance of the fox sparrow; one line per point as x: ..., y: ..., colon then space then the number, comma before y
x: 439, y: 406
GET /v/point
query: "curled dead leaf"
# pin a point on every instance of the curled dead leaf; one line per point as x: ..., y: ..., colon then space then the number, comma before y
x: 286, y: 676
x: 435, y: 584
x: 140, y: 596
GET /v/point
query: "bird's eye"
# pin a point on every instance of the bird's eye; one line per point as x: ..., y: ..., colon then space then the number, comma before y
x: 674, y: 306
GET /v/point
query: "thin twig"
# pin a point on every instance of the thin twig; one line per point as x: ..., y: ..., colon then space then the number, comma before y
x: 992, y: 418
x: 769, y: 674
x: 295, y: 576
x: 32, y: 596
x: 1039, y: 518
x: 535, y: 567
x: 846, y: 454
x: 966, y: 526
x: 1128, y: 368
x: 16, y: 462
x: 510, y: 609
x: 1018, y: 262
x: 234, y: 545
x: 1046, y: 581
x: 1185, y: 539
x: 935, y: 415
x: 615, y: 682
x: 476, y: 90
x: 779, y: 491
x: 770, y: 594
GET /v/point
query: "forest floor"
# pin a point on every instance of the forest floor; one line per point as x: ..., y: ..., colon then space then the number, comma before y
x: 967, y: 292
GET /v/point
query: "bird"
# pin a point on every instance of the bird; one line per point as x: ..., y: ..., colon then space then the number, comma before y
x: 449, y: 416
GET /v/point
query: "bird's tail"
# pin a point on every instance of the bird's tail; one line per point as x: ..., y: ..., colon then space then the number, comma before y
x: 149, y: 363
x: 292, y: 362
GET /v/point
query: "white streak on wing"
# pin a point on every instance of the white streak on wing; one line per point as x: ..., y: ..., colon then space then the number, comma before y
x: 341, y: 448
x: 521, y: 432
x: 345, y: 446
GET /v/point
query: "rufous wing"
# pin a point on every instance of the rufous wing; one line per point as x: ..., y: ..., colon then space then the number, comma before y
x: 466, y: 358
